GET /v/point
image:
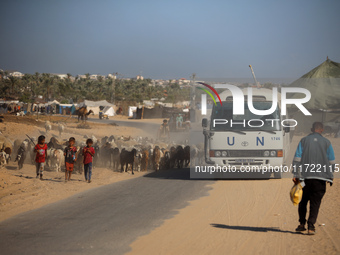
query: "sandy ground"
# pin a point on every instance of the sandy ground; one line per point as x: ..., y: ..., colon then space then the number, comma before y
x: 238, y: 217
x: 16, y: 127
x: 122, y: 117
x: 20, y: 191
x: 247, y: 217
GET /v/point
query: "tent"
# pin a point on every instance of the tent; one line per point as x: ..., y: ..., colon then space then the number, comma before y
x: 66, y: 108
x: 323, y: 82
x: 131, y: 110
x: 94, y: 105
x: 8, y: 101
x: 109, y: 111
x: 54, y: 102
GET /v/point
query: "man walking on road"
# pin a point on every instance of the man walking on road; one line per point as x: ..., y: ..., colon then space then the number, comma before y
x: 313, y: 166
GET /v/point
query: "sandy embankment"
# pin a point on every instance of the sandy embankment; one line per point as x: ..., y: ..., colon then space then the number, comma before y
x: 247, y: 217
x: 20, y: 191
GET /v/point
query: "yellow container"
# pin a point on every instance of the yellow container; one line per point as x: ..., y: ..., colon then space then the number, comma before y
x: 296, y: 194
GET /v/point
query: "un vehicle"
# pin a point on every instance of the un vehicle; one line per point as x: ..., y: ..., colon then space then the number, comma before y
x: 247, y: 140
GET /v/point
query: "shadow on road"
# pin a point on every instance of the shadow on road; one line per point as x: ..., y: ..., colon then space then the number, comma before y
x: 11, y: 167
x: 44, y: 179
x: 255, y: 229
x: 184, y: 174
x: 176, y: 174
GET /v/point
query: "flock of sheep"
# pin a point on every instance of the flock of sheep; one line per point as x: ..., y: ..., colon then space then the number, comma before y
x: 115, y: 152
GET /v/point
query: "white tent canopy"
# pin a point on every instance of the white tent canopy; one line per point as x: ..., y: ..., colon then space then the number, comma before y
x: 131, y: 110
x: 109, y: 111
x: 54, y: 102
x: 9, y: 101
x: 94, y: 103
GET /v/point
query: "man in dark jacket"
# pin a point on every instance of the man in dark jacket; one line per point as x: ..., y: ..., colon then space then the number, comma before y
x: 164, y: 132
x: 313, y: 166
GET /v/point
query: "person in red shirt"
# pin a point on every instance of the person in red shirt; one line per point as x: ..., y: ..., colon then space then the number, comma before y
x: 70, y: 157
x: 88, y: 153
x: 41, y: 150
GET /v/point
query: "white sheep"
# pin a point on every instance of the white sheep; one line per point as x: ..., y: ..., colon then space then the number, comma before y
x: 48, y: 126
x: 61, y: 128
x: 3, y: 158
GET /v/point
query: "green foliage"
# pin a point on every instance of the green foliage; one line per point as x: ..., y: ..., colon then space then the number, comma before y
x: 25, y: 97
x: 64, y: 90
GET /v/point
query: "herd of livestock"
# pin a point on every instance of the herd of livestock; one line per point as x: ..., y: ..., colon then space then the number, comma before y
x: 115, y: 152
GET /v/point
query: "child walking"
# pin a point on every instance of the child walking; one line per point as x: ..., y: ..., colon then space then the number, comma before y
x: 88, y: 153
x: 41, y: 150
x: 70, y: 158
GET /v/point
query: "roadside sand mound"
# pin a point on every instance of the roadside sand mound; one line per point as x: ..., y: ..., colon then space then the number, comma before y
x: 83, y: 126
x: 19, y: 189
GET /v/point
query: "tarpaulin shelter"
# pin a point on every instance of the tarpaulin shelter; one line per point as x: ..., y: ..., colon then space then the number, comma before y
x: 53, y: 107
x: 66, y: 109
x: 54, y: 102
x: 109, y: 111
x: 158, y: 111
x: 131, y: 110
x: 94, y: 105
x: 323, y: 82
x: 149, y: 112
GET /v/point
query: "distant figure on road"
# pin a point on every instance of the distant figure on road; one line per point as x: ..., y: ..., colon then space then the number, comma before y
x: 313, y: 166
x: 164, y: 132
x: 179, y: 121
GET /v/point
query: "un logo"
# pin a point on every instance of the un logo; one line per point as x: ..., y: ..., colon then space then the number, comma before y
x: 244, y: 143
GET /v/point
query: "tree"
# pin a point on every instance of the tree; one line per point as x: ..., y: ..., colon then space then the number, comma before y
x: 13, y: 82
x: 52, y: 87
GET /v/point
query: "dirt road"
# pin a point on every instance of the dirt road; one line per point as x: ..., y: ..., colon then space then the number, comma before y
x: 104, y: 220
x: 248, y: 217
x: 238, y: 216
x: 245, y: 217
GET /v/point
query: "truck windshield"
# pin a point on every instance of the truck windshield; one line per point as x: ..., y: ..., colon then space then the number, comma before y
x: 222, y: 118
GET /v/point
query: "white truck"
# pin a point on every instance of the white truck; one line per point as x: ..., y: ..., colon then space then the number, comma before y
x: 248, y: 140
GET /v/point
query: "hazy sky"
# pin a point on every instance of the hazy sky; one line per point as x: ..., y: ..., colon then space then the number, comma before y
x: 169, y: 39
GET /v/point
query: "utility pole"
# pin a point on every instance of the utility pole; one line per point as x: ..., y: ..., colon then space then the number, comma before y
x: 252, y: 71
